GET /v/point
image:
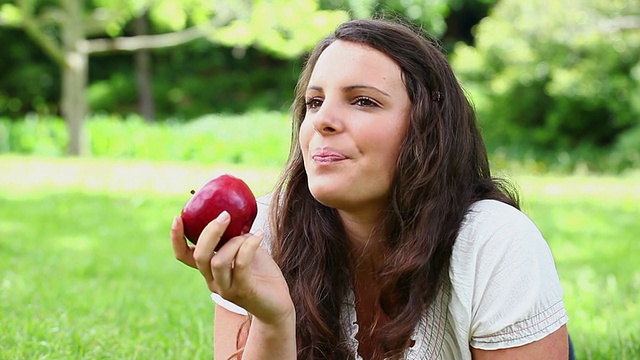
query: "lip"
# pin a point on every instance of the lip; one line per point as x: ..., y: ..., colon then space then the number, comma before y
x: 327, y: 155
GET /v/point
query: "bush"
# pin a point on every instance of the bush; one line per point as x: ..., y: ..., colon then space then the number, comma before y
x: 558, y: 78
x: 195, y: 79
x: 260, y: 138
x: 34, y: 135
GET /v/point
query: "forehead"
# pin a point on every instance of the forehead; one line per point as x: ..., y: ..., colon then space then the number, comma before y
x: 346, y: 61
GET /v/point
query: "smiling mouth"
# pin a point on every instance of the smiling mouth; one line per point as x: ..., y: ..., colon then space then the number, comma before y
x: 327, y: 159
x: 326, y: 156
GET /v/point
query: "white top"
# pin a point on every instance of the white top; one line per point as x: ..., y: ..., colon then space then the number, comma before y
x: 504, y: 290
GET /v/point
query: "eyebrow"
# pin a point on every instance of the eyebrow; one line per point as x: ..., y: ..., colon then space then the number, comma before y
x: 353, y: 87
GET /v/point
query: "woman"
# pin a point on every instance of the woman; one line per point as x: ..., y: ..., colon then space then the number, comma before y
x: 387, y: 235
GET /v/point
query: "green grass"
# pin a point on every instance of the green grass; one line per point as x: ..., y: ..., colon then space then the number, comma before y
x: 87, y: 271
x: 592, y: 225
x: 86, y: 266
x: 89, y: 276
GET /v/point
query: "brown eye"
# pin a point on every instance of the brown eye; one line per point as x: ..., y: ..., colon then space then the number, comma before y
x: 313, y: 103
x: 365, y: 102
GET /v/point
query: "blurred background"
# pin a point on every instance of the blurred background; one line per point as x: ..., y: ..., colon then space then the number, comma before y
x: 112, y: 110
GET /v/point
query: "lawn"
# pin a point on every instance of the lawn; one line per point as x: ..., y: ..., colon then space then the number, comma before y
x: 87, y: 271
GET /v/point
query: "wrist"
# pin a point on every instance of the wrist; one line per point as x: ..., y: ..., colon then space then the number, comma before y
x: 273, y: 339
x: 284, y: 321
x: 280, y: 329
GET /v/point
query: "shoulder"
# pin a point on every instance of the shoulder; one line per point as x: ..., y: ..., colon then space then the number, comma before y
x: 495, y: 225
x: 492, y: 215
x: 494, y: 237
x: 504, y: 280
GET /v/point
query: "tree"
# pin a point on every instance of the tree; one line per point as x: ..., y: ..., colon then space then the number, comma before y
x: 446, y: 19
x: 69, y: 31
x: 142, y: 64
x: 560, y: 76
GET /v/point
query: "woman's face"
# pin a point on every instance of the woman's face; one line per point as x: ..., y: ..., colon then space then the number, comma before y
x: 357, y: 117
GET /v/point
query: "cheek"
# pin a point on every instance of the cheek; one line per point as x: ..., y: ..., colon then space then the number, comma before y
x: 394, y: 140
x: 304, y: 135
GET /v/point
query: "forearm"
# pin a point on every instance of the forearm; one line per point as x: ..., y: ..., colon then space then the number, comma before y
x: 271, y: 341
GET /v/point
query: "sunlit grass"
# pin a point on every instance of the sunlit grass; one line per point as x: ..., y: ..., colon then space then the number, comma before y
x: 91, y: 276
x: 86, y: 266
x: 87, y: 271
x: 592, y: 224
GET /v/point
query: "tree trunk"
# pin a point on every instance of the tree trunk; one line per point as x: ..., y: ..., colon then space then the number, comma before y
x: 73, y: 107
x: 74, y: 78
x: 142, y: 62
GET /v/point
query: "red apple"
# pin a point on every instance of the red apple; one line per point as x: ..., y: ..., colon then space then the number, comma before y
x: 224, y: 192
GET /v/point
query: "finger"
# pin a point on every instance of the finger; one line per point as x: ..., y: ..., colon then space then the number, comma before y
x: 222, y: 264
x: 181, y: 249
x: 244, y: 258
x: 207, y: 242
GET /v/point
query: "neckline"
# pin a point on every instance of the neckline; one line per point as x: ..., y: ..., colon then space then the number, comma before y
x: 428, y: 336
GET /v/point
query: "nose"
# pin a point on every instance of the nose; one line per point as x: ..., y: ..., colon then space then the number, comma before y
x: 328, y: 119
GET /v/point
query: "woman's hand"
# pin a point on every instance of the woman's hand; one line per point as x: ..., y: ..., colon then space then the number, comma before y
x: 241, y: 271
x: 181, y: 249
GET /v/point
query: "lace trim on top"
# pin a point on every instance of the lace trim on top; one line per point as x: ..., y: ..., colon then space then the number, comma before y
x: 536, y: 327
x: 429, y: 333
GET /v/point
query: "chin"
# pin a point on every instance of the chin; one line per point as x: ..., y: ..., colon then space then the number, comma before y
x: 326, y: 196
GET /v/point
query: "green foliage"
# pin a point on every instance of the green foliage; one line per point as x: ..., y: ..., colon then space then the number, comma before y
x: 432, y: 15
x: 291, y: 28
x: 198, y: 77
x: 564, y: 80
x: 88, y: 271
x: 34, y: 135
x: 261, y: 138
x: 195, y: 79
x: 557, y: 84
x: 250, y: 139
x: 27, y: 83
x: 214, y: 80
x: 625, y: 152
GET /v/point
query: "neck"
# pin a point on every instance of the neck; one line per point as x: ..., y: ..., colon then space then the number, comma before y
x: 361, y: 233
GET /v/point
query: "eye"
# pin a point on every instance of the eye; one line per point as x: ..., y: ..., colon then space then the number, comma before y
x: 365, y: 102
x: 313, y: 103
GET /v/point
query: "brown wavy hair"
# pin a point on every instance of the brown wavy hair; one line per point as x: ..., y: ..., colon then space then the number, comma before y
x: 441, y: 170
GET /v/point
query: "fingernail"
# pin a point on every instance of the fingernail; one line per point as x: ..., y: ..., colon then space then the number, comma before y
x: 259, y: 233
x: 174, y: 224
x: 223, y: 217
